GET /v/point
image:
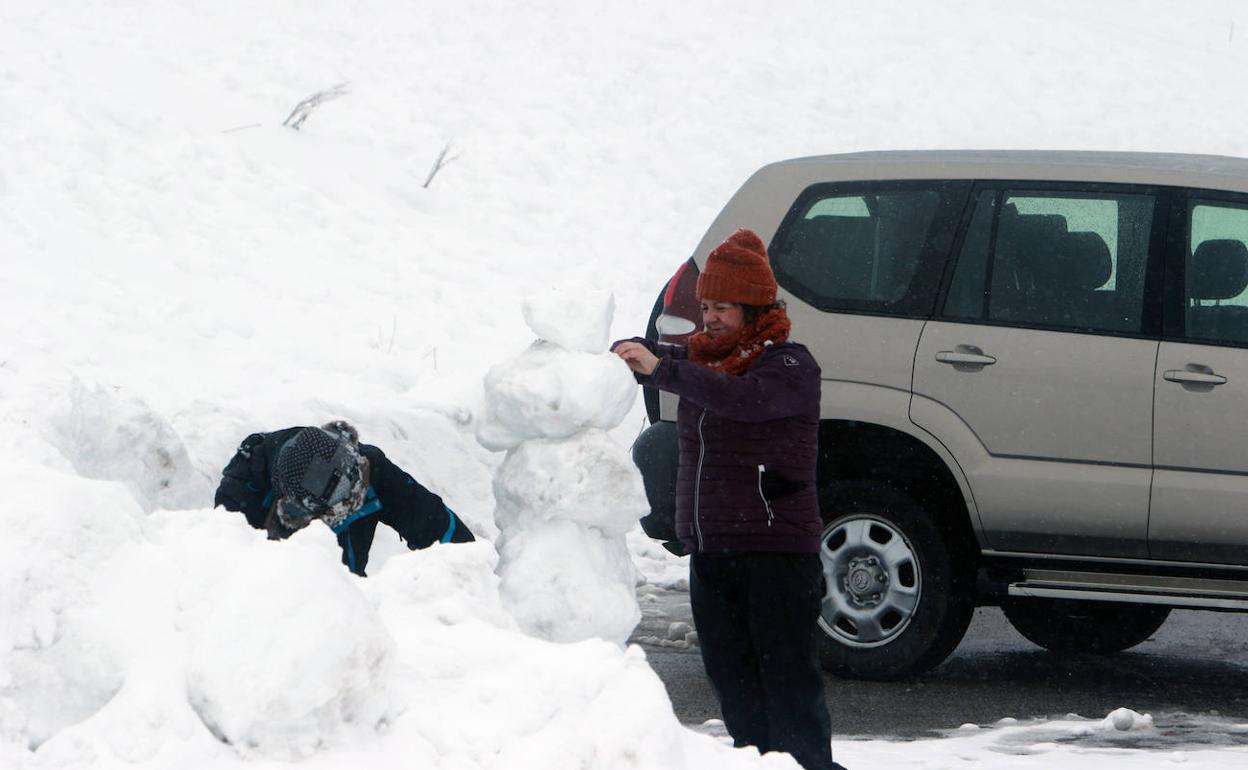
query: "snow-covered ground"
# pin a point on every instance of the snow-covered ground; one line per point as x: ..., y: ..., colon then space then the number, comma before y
x: 180, y: 270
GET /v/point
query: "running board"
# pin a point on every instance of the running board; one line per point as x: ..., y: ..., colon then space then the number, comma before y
x: 1138, y: 589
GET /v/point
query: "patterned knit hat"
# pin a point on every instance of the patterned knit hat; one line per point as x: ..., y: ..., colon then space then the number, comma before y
x: 320, y: 474
x: 737, y: 271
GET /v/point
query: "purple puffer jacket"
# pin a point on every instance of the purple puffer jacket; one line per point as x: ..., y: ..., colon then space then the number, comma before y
x: 748, y: 450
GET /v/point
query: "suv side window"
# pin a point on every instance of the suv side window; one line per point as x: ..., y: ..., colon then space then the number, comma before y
x: 1216, y: 273
x: 1059, y: 260
x: 869, y: 247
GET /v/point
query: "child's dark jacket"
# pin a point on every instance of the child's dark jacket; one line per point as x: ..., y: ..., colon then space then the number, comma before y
x: 394, y: 498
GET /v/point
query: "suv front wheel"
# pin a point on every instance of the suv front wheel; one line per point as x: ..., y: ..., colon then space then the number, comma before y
x: 897, y: 600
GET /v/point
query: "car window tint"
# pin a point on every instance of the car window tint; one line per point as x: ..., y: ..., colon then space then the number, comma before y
x: 874, y: 249
x: 968, y: 298
x: 1070, y: 261
x: 1216, y: 273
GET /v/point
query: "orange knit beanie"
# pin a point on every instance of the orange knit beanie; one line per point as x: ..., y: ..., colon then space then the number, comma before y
x: 737, y: 271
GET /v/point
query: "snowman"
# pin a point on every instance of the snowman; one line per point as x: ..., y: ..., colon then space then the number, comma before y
x: 566, y: 493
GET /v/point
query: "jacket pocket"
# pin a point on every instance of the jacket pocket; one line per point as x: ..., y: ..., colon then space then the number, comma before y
x: 773, y: 486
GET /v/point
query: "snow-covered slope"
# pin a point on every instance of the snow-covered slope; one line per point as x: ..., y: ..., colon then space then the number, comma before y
x: 180, y: 270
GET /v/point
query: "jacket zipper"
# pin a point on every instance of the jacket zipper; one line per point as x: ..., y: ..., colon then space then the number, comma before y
x: 771, y: 516
x: 697, y: 484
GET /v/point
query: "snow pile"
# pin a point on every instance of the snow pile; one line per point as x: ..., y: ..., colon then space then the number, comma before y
x: 56, y: 663
x: 106, y: 435
x: 566, y: 494
x: 313, y: 651
x: 185, y: 626
x: 185, y: 638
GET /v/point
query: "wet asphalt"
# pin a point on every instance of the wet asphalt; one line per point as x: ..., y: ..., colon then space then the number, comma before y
x: 1192, y: 676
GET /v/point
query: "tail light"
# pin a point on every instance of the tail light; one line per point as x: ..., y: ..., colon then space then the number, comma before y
x: 681, y: 310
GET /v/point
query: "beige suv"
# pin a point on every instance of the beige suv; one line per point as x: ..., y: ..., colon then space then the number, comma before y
x: 1035, y: 390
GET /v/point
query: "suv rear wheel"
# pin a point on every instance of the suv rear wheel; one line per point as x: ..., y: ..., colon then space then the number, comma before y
x: 1064, y: 625
x: 896, y: 601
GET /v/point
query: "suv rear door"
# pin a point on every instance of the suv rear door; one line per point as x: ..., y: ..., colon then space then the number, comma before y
x: 1037, y: 374
x: 1200, y: 488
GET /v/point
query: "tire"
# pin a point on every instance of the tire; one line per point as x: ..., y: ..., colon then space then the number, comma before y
x: 1065, y: 625
x: 899, y: 595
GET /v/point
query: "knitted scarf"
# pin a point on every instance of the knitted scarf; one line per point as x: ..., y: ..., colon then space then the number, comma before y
x: 733, y: 353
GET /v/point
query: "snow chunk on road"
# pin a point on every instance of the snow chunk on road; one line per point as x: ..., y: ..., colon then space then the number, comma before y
x: 1125, y: 720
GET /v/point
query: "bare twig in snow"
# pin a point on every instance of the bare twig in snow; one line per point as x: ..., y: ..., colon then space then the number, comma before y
x: 304, y: 108
x: 439, y: 163
x: 240, y: 128
x: 382, y: 342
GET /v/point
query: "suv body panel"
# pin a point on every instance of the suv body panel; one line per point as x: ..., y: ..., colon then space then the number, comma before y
x: 1055, y: 436
x: 1214, y: 172
x: 1199, y: 509
x: 870, y: 350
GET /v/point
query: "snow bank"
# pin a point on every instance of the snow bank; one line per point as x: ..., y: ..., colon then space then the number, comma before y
x: 184, y: 638
x: 111, y: 436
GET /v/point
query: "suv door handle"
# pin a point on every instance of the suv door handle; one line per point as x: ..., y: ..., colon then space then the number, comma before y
x: 965, y: 355
x: 1194, y: 374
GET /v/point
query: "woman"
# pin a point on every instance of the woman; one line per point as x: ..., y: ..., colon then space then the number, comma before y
x: 746, y: 506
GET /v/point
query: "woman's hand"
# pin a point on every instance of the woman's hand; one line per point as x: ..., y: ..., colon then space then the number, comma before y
x: 638, y: 358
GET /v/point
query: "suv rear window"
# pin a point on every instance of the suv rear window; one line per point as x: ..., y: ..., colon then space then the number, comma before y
x: 1217, y: 273
x: 874, y: 247
x: 1056, y: 260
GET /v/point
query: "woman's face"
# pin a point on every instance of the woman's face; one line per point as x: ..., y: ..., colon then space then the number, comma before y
x: 720, y: 318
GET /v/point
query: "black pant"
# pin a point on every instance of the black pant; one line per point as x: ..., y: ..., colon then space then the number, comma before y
x: 756, y: 618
